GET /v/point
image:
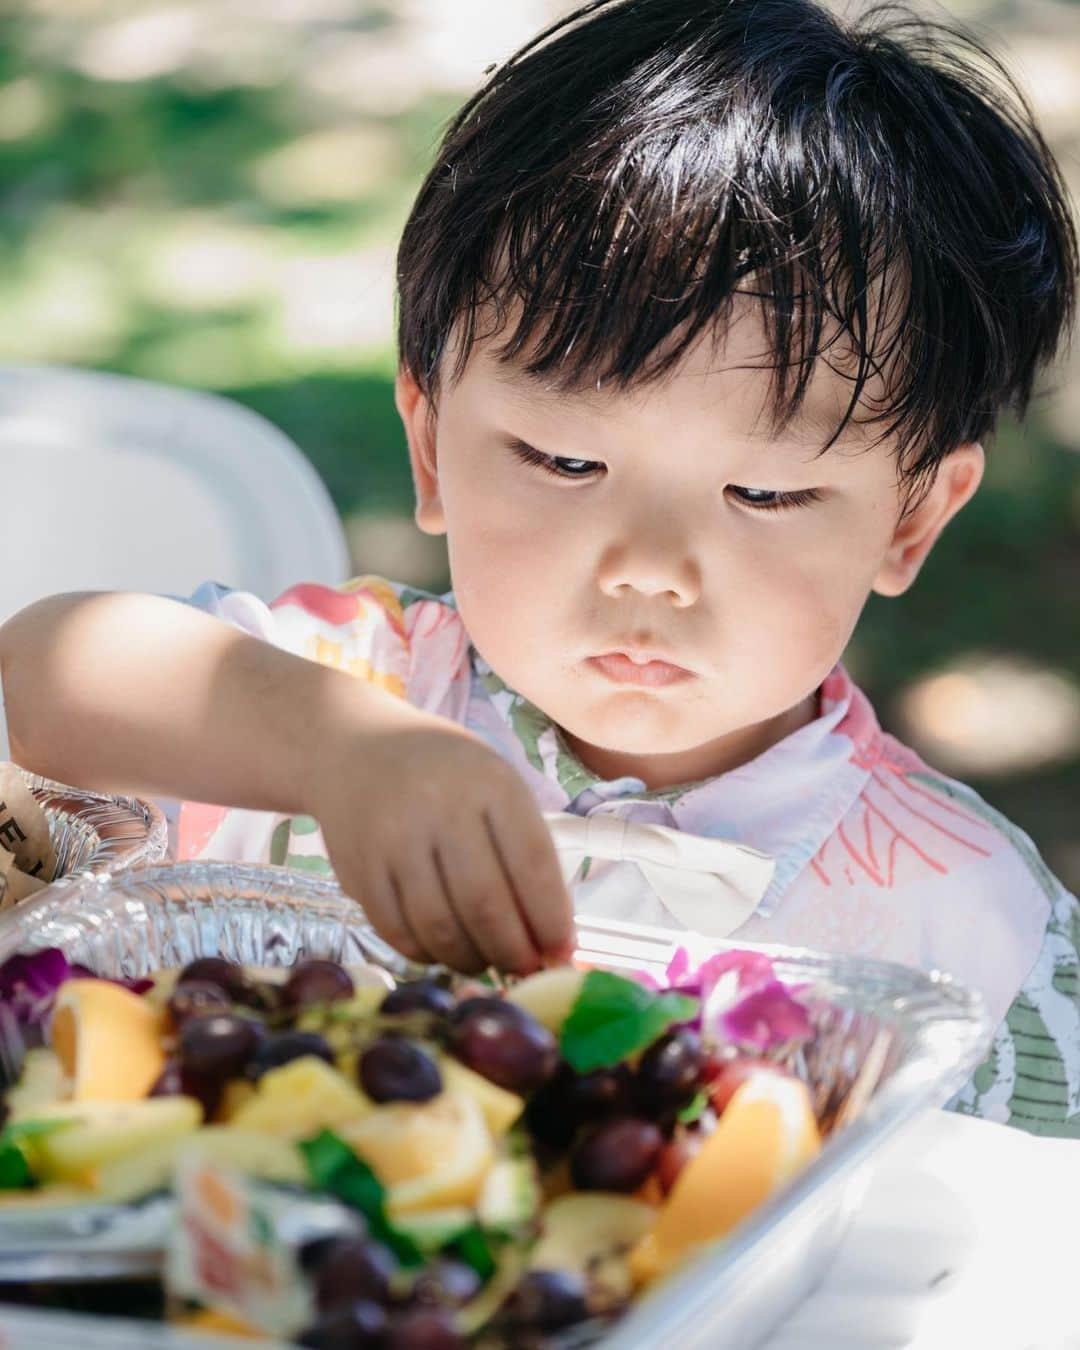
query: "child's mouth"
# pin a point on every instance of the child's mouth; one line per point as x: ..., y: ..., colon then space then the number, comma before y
x: 639, y: 668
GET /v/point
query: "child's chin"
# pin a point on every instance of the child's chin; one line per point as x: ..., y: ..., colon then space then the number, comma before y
x: 642, y: 730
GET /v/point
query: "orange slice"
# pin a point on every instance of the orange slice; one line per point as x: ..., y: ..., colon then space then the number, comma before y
x: 766, y: 1135
x: 108, y: 1041
x: 427, y: 1156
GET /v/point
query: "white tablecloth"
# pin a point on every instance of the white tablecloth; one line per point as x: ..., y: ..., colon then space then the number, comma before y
x: 969, y: 1239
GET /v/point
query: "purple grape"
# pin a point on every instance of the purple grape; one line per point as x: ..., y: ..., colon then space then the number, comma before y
x: 354, y: 1268
x: 310, y: 1254
x: 670, y: 1071
x: 177, y: 1081
x: 547, y: 1300
x: 196, y: 998
x: 227, y: 975
x: 393, y: 1069
x: 549, y: 1122
x: 617, y: 1156
x: 503, y: 1043
x: 219, y: 1046
x: 360, y: 1325
x: 446, y: 1281
x: 316, y: 981
x: 425, y: 1328
x: 604, y: 1092
x: 419, y: 996
x: 286, y: 1046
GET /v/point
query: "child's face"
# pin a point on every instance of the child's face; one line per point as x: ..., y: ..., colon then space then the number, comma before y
x: 645, y: 598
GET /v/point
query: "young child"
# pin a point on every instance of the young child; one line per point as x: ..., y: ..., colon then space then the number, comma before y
x: 705, y: 309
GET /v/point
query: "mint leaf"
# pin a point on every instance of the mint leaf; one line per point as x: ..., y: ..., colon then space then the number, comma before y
x: 474, y: 1248
x: 15, y: 1171
x: 334, y: 1167
x: 15, y: 1174
x: 694, y: 1109
x: 614, y: 1017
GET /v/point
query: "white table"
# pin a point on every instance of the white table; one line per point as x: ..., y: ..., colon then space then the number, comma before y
x: 968, y: 1239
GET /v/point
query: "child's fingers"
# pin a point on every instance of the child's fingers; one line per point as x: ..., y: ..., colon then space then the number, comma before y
x: 378, y: 895
x: 527, y: 852
x: 429, y: 910
x: 484, y: 900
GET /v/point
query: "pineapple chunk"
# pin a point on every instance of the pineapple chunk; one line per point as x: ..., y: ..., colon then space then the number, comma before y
x: 151, y: 1168
x: 41, y: 1082
x: 549, y: 995
x: 300, y: 1099
x: 593, y: 1233
x: 498, y: 1107
x: 99, y: 1132
x: 428, y: 1156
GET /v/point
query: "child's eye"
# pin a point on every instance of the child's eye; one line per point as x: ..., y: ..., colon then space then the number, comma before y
x: 557, y: 465
x: 763, y: 499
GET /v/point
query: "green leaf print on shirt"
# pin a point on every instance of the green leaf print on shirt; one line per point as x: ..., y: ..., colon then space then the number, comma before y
x: 297, y: 827
x: 279, y: 843
x: 1039, y: 1100
x: 529, y: 724
x: 307, y: 862
x: 573, y: 776
x: 1033, y: 1070
x: 304, y: 825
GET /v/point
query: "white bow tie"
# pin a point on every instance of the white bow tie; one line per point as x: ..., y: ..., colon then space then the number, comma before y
x: 710, y: 885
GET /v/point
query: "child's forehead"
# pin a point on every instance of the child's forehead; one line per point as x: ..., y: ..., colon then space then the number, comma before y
x: 728, y: 373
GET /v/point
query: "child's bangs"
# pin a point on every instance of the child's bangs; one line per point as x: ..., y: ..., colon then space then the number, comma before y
x: 616, y: 280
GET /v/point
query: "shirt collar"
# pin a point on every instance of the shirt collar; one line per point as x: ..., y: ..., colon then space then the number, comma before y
x: 786, y: 801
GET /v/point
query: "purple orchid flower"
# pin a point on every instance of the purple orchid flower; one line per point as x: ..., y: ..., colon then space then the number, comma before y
x: 29, y: 981
x: 742, y: 1001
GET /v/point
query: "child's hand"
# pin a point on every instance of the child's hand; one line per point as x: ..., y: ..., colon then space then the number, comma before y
x: 442, y: 843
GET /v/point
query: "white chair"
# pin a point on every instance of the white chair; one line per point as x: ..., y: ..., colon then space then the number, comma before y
x: 113, y: 483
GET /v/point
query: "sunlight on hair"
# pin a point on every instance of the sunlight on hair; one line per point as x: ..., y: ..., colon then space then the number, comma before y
x: 994, y: 715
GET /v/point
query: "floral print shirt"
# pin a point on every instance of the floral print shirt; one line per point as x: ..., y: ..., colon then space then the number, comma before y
x: 876, y: 854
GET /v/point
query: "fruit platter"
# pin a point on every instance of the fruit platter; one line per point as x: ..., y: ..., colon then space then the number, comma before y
x: 529, y: 1162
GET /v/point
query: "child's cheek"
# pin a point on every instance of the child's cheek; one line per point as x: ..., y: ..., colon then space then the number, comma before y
x: 812, y: 597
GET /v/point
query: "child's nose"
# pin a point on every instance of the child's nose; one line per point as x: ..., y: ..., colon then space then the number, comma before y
x: 651, y: 569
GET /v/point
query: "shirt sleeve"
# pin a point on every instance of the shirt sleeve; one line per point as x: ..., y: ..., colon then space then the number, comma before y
x: 358, y: 628
x: 1031, y: 1077
x: 407, y: 642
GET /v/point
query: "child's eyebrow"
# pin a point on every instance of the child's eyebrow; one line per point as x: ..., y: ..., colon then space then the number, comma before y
x: 531, y: 386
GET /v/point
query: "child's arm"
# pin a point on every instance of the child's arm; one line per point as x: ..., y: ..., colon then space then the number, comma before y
x: 431, y: 830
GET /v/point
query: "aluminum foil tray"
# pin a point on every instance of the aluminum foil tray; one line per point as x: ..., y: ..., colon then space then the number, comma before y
x: 93, y: 832
x: 889, y: 1042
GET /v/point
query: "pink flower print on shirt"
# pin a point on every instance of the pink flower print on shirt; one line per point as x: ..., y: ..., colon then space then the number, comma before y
x: 897, y: 830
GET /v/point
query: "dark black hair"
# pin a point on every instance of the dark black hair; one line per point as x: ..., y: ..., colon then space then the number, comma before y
x: 618, y: 180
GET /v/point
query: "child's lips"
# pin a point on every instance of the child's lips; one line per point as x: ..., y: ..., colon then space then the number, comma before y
x: 638, y: 668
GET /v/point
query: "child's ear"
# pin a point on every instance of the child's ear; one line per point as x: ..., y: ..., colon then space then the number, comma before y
x: 958, y: 476
x: 419, y: 419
